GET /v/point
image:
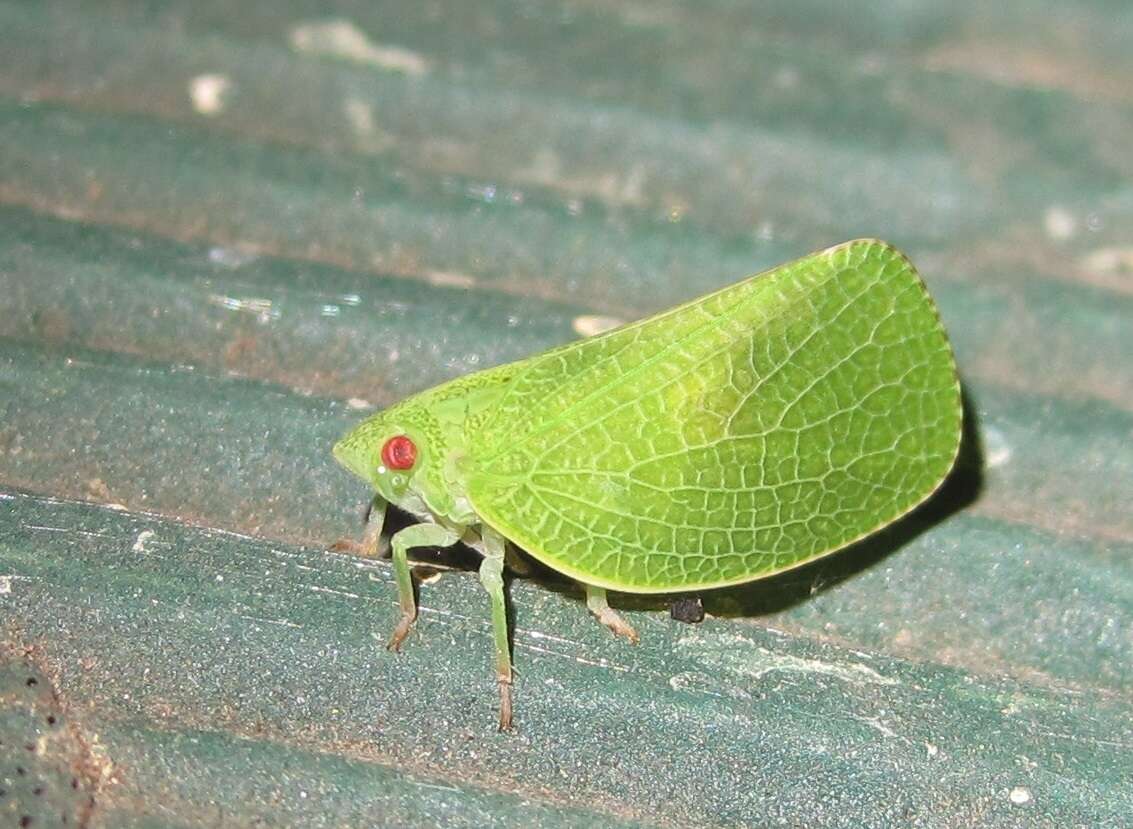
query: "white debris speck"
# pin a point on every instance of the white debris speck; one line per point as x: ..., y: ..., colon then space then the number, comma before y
x: 259, y: 307
x: 931, y: 749
x: 739, y: 654
x: 342, y: 39
x: 877, y: 724
x: 545, y: 168
x: 997, y: 451
x: 230, y: 258
x: 209, y: 93
x: 587, y: 325
x: 1020, y: 795
x: 482, y: 192
x: 140, y: 541
x: 1059, y: 223
x: 358, y: 403
x: 360, y: 115
x: 450, y: 279
x: 1110, y: 260
x: 700, y: 683
x: 786, y: 78
x: 871, y: 63
x: 5, y: 585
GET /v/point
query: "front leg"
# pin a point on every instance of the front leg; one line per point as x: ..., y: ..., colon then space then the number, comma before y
x: 370, y: 545
x: 419, y: 535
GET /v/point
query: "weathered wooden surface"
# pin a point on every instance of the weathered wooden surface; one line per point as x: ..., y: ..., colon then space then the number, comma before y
x: 225, y: 235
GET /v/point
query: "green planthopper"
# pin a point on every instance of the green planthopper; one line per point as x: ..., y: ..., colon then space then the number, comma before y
x: 728, y: 439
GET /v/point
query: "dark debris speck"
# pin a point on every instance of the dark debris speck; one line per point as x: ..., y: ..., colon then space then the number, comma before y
x: 688, y: 610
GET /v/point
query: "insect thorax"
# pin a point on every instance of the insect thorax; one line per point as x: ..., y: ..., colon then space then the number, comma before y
x: 441, y: 419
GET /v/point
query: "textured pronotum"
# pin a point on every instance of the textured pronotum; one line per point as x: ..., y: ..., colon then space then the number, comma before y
x: 733, y: 437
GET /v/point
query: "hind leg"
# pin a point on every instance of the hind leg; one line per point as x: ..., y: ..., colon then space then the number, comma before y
x: 596, y: 604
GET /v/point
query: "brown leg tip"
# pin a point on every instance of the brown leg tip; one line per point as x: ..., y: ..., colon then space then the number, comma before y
x: 404, y: 625
x: 505, y: 705
x: 366, y: 548
x: 617, y: 625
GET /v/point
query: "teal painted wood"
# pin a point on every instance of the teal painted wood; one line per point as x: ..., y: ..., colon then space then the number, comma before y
x: 217, y: 230
x: 148, y: 629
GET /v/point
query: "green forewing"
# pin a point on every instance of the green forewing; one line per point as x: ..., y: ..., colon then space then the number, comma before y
x: 738, y: 435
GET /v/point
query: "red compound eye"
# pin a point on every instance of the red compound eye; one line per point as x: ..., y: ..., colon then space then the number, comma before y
x: 399, y: 453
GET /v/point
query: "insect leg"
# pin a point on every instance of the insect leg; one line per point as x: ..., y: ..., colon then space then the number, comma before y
x: 492, y: 577
x: 419, y: 535
x: 368, y: 547
x: 375, y: 520
x: 596, y: 604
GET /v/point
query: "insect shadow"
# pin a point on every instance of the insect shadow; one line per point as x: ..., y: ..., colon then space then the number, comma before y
x: 765, y: 596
